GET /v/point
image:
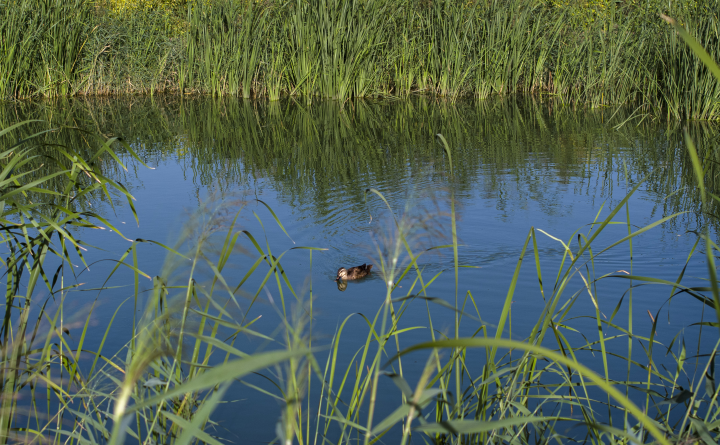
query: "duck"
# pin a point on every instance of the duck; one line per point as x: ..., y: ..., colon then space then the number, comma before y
x: 354, y: 272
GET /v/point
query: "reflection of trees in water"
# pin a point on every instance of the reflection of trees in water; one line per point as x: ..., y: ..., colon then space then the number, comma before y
x: 324, y: 153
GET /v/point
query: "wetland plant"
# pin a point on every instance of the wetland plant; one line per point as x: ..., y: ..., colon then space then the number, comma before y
x: 186, y: 350
x: 608, y: 54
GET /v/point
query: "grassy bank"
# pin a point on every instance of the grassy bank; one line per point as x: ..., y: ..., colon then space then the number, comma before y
x: 599, y: 53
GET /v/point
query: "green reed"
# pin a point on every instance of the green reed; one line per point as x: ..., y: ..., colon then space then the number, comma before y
x: 41, y: 47
x: 508, y: 400
x: 34, y: 231
x: 343, y: 49
x: 226, y: 45
x: 151, y: 372
x: 132, y: 53
x: 178, y: 362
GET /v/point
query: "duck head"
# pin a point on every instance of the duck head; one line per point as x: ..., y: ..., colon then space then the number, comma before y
x: 342, y: 274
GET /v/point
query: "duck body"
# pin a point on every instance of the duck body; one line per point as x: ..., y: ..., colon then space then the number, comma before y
x: 354, y: 272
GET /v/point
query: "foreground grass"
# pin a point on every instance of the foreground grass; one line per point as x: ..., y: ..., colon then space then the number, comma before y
x: 618, y: 53
x: 186, y: 350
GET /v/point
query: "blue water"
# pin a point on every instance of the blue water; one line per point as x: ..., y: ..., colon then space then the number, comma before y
x: 515, y: 169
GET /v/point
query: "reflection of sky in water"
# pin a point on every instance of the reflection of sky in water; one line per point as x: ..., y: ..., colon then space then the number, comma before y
x: 496, y: 207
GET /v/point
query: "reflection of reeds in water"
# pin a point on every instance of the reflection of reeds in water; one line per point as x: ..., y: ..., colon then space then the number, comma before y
x: 324, y: 156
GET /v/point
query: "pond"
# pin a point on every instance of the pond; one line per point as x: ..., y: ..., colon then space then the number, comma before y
x: 322, y: 171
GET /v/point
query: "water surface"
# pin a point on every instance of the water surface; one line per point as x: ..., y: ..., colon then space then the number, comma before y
x: 517, y: 165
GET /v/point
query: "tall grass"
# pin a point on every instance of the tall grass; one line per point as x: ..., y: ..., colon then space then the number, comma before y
x: 69, y: 397
x: 128, y: 53
x: 34, y: 233
x: 342, y: 49
x: 42, y: 47
x: 182, y: 354
x: 226, y: 47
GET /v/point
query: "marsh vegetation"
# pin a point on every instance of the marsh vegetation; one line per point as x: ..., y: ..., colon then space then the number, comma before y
x: 595, y: 53
x: 600, y: 332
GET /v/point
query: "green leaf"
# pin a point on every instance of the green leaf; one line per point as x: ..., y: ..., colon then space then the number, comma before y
x: 680, y: 398
x: 231, y: 370
x: 457, y: 427
x: 710, y: 387
x: 695, y: 46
